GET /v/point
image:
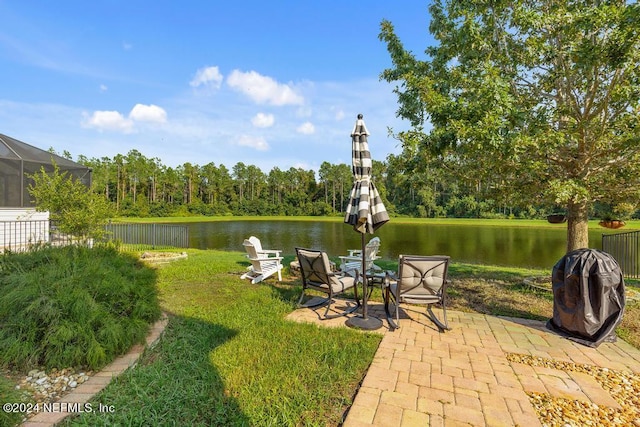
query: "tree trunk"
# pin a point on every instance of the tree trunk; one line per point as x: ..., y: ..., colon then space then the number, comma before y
x: 577, y: 226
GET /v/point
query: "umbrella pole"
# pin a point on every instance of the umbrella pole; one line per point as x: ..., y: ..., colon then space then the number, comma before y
x: 364, y: 280
x: 364, y: 322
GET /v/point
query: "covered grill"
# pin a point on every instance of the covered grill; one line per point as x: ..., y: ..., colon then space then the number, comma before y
x: 588, y: 297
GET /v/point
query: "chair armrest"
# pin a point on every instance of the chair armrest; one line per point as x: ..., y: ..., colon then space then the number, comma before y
x: 353, y: 272
x: 390, y: 276
x: 350, y: 258
x: 266, y: 258
x: 271, y: 251
x: 355, y: 252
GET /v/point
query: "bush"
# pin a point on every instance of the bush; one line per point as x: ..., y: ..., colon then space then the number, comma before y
x: 73, y: 306
x: 77, y: 210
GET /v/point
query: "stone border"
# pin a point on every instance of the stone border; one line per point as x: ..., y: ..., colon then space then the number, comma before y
x: 85, y: 391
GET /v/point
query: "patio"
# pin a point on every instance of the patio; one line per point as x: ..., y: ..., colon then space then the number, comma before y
x: 480, y: 372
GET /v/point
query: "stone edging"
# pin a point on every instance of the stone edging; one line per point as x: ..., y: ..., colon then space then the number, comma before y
x: 85, y: 391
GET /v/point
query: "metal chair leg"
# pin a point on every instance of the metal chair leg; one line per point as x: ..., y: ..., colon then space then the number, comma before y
x: 434, y: 319
x: 343, y: 313
x: 387, y: 298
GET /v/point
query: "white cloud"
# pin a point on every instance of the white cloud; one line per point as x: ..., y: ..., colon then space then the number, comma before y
x: 262, y: 120
x: 115, y: 121
x: 109, y: 120
x: 148, y: 113
x: 263, y: 89
x: 127, y: 46
x: 208, y: 76
x: 307, y: 128
x: 103, y: 88
x: 256, y: 142
x: 339, y: 114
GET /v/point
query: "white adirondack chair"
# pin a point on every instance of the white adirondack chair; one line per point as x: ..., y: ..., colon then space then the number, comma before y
x: 264, y: 262
x: 353, y: 261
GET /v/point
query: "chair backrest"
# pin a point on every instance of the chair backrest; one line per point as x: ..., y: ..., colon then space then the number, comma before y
x: 253, y: 255
x: 315, y: 267
x: 255, y: 242
x: 371, y: 251
x: 422, y: 276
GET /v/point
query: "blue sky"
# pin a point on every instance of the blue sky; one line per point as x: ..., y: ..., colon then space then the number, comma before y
x: 267, y: 83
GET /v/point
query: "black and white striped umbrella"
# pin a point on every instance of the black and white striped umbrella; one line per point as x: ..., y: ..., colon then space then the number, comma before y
x: 365, y: 211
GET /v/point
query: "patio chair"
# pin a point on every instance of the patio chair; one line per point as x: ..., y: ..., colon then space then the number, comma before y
x: 420, y: 280
x: 316, y: 273
x: 264, y: 263
x: 354, y: 259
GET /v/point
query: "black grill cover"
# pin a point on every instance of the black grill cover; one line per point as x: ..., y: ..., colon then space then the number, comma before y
x: 588, y: 297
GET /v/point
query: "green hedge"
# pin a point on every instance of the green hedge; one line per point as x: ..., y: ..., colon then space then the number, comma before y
x: 73, y: 306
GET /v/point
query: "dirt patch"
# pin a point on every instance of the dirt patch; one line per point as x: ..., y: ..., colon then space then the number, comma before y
x: 162, y: 257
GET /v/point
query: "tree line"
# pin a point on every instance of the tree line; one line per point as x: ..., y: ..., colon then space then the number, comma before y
x: 412, y: 184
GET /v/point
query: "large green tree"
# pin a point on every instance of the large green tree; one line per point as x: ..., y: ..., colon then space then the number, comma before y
x: 533, y: 98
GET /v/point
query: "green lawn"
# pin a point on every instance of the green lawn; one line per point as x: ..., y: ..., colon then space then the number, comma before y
x: 228, y: 356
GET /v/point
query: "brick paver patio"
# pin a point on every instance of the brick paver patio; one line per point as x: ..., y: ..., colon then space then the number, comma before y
x: 421, y: 377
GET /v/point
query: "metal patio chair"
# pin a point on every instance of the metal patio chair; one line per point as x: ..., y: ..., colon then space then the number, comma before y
x: 315, y: 269
x: 420, y: 280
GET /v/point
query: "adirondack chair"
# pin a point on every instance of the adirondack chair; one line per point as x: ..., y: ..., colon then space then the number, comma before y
x: 354, y: 259
x: 264, y: 262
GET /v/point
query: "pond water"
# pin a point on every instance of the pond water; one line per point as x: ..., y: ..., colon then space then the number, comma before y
x: 505, y: 246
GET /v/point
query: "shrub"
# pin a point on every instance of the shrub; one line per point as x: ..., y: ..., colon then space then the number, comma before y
x: 77, y: 210
x: 73, y: 306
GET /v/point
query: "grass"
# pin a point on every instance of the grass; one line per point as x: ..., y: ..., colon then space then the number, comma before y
x: 228, y: 356
x: 8, y: 394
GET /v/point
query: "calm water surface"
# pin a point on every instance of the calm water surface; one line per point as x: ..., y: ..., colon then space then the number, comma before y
x: 506, y: 246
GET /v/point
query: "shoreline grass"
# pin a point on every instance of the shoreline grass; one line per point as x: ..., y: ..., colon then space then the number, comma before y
x: 593, y: 223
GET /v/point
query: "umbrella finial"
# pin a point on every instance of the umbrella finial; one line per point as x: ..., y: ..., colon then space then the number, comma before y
x: 360, y: 128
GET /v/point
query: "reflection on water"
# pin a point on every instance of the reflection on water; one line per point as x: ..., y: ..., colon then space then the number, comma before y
x: 507, y: 246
